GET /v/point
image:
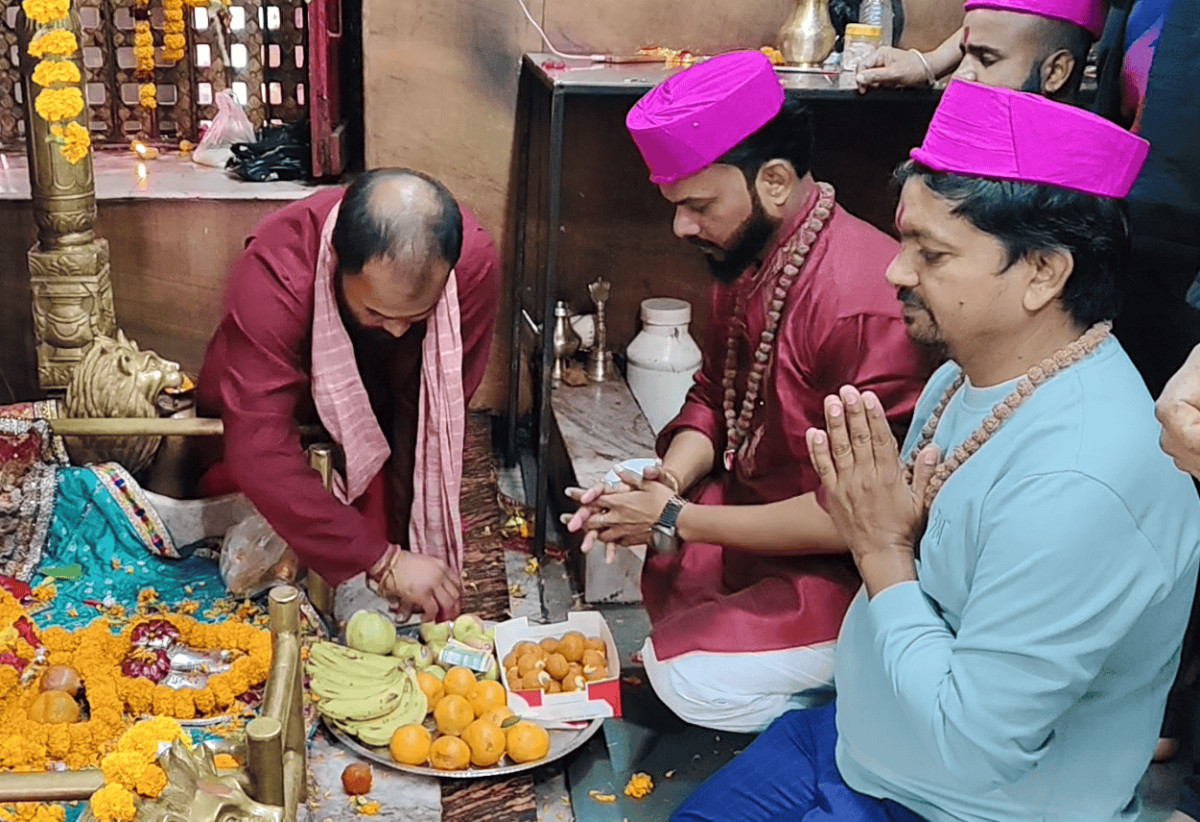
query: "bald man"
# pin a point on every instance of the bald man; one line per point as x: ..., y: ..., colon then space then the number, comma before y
x: 369, y: 310
x: 1038, y: 46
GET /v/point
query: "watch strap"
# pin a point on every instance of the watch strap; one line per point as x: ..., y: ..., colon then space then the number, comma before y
x: 670, y: 514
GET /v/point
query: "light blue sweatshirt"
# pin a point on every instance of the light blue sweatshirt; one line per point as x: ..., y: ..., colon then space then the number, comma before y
x: 1024, y: 676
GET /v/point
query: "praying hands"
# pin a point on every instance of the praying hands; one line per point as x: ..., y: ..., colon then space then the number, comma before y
x: 875, y: 507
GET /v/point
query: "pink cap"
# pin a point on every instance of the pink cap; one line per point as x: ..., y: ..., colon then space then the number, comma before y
x: 979, y: 131
x: 691, y: 120
x: 1087, y: 14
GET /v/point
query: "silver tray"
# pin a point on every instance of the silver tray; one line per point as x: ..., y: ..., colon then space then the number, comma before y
x: 562, y: 742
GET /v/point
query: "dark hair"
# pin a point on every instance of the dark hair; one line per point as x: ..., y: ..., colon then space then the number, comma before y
x: 366, y: 230
x: 786, y: 136
x: 1057, y: 35
x: 1026, y: 218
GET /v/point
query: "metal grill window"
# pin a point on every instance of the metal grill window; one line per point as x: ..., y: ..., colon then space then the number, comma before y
x: 258, y: 48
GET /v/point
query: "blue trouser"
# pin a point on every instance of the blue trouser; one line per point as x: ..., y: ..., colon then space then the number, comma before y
x: 788, y: 774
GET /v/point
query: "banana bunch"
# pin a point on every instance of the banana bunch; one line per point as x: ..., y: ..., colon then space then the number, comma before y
x: 364, y: 694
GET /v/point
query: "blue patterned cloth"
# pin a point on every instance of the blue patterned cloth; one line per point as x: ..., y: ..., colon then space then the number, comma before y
x: 102, y: 523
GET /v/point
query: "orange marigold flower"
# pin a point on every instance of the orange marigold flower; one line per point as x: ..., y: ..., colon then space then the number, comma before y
x: 57, y: 42
x: 112, y: 803
x: 53, y: 104
x: 46, y: 11
x: 151, y: 781
x: 123, y: 768
x: 46, y: 73
x: 75, y: 142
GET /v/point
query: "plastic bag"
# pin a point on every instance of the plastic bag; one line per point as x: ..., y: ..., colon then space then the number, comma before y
x: 231, y: 125
x: 255, y: 558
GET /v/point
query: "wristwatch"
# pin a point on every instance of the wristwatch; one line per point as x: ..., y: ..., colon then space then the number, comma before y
x: 664, y: 538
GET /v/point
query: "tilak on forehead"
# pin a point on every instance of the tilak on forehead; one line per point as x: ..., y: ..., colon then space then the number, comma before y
x: 1000, y: 134
x: 690, y: 121
x: 1087, y: 14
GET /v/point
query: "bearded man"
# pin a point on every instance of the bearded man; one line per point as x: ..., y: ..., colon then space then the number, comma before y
x: 745, y: 613
x: 1039, y: 46
x: 1029, y: 567
x: 369, y: 310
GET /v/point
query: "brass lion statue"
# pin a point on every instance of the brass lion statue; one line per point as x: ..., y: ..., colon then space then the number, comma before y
x: 197, y: 792
x: 117, y: 379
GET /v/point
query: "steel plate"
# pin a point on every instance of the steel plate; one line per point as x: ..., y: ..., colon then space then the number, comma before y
x: 562, y: 742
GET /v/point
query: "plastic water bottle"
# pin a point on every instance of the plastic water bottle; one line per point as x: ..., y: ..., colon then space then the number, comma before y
x: 878, y: 13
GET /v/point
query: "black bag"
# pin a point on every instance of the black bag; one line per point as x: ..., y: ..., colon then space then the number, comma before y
x: 280, y: 153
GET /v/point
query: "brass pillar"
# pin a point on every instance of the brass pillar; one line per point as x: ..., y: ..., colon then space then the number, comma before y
x: 320, y: 593
x: 68, y: 266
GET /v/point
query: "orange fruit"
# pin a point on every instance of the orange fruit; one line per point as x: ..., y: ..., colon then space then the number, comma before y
x: 485, y: 695
x: 452, y: 714
x: 595, y: 644
x: 512, y: 674
x: 557, y: 666
x: 510, y: 661
x: 432, y: 687
x: 549, y: 645
x: 555, y: 687
x: 449, y: 753
x: 496, y: 716
x: 54, y: 708
x: 571, y: 646
x: 526, y: 742
x: 458, y: 680
x: 410, y: 745
x: 486, y: 741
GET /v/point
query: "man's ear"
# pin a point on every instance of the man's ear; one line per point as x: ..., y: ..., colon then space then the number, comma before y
x: 1056, y: 71
x: 1050, y: 272
x: 776, y: 181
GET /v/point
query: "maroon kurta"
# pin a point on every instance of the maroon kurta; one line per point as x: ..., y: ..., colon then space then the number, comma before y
x: 256, y: 376
x: 841, y: 325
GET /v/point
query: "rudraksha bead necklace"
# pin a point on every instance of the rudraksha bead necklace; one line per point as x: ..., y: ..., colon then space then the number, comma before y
x: 1060, y: 360
x: 737, y: 424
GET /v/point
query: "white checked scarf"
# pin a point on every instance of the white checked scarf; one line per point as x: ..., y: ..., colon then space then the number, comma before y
x: 435, y: 525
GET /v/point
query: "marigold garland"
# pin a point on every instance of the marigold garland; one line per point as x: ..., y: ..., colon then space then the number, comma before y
x: 148, y: 96
x: 44, y: 12
x: 75, y: 145
x: 47, y: 73
x: 54, y: 43
x: 143, y: 48
x: 174, y: 44
x: 113, y: 803
x: 32, y: 812
x: 96, y: 653
x: 132, y: 770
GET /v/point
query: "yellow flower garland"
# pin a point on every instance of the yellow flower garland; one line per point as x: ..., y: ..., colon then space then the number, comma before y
x: 45, y: 74
x: 76, y: 141
x: 143, y: 48
x: 44, y: 12
x: 148, y: 96
x: 54, y: 43
x: 60, y: 99
x: 32, y: 812
x: 96, y: 653
x: 54, y: 104
x: 174, y: 43
x: 132, y: 770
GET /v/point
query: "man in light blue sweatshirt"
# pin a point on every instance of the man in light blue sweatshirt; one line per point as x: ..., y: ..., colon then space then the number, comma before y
x: 1029, y: 557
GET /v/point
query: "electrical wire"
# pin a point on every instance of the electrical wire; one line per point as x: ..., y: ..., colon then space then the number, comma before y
x: 595, y: 58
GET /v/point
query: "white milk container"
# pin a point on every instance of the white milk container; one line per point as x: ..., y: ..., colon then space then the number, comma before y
x: 662, y: 359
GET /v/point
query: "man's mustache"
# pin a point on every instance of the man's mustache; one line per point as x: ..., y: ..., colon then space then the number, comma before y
x: 909, y: 297
x: 704, y: 245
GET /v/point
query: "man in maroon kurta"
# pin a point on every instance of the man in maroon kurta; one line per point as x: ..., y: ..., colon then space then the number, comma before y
x: 745, y: 613
x: 257, y: 377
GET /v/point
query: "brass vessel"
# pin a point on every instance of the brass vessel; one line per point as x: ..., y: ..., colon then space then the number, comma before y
x: 807, y: 38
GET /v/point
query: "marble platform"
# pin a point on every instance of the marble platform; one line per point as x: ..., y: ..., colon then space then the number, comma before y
x: 171, y: 176
x: 601, y: 424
